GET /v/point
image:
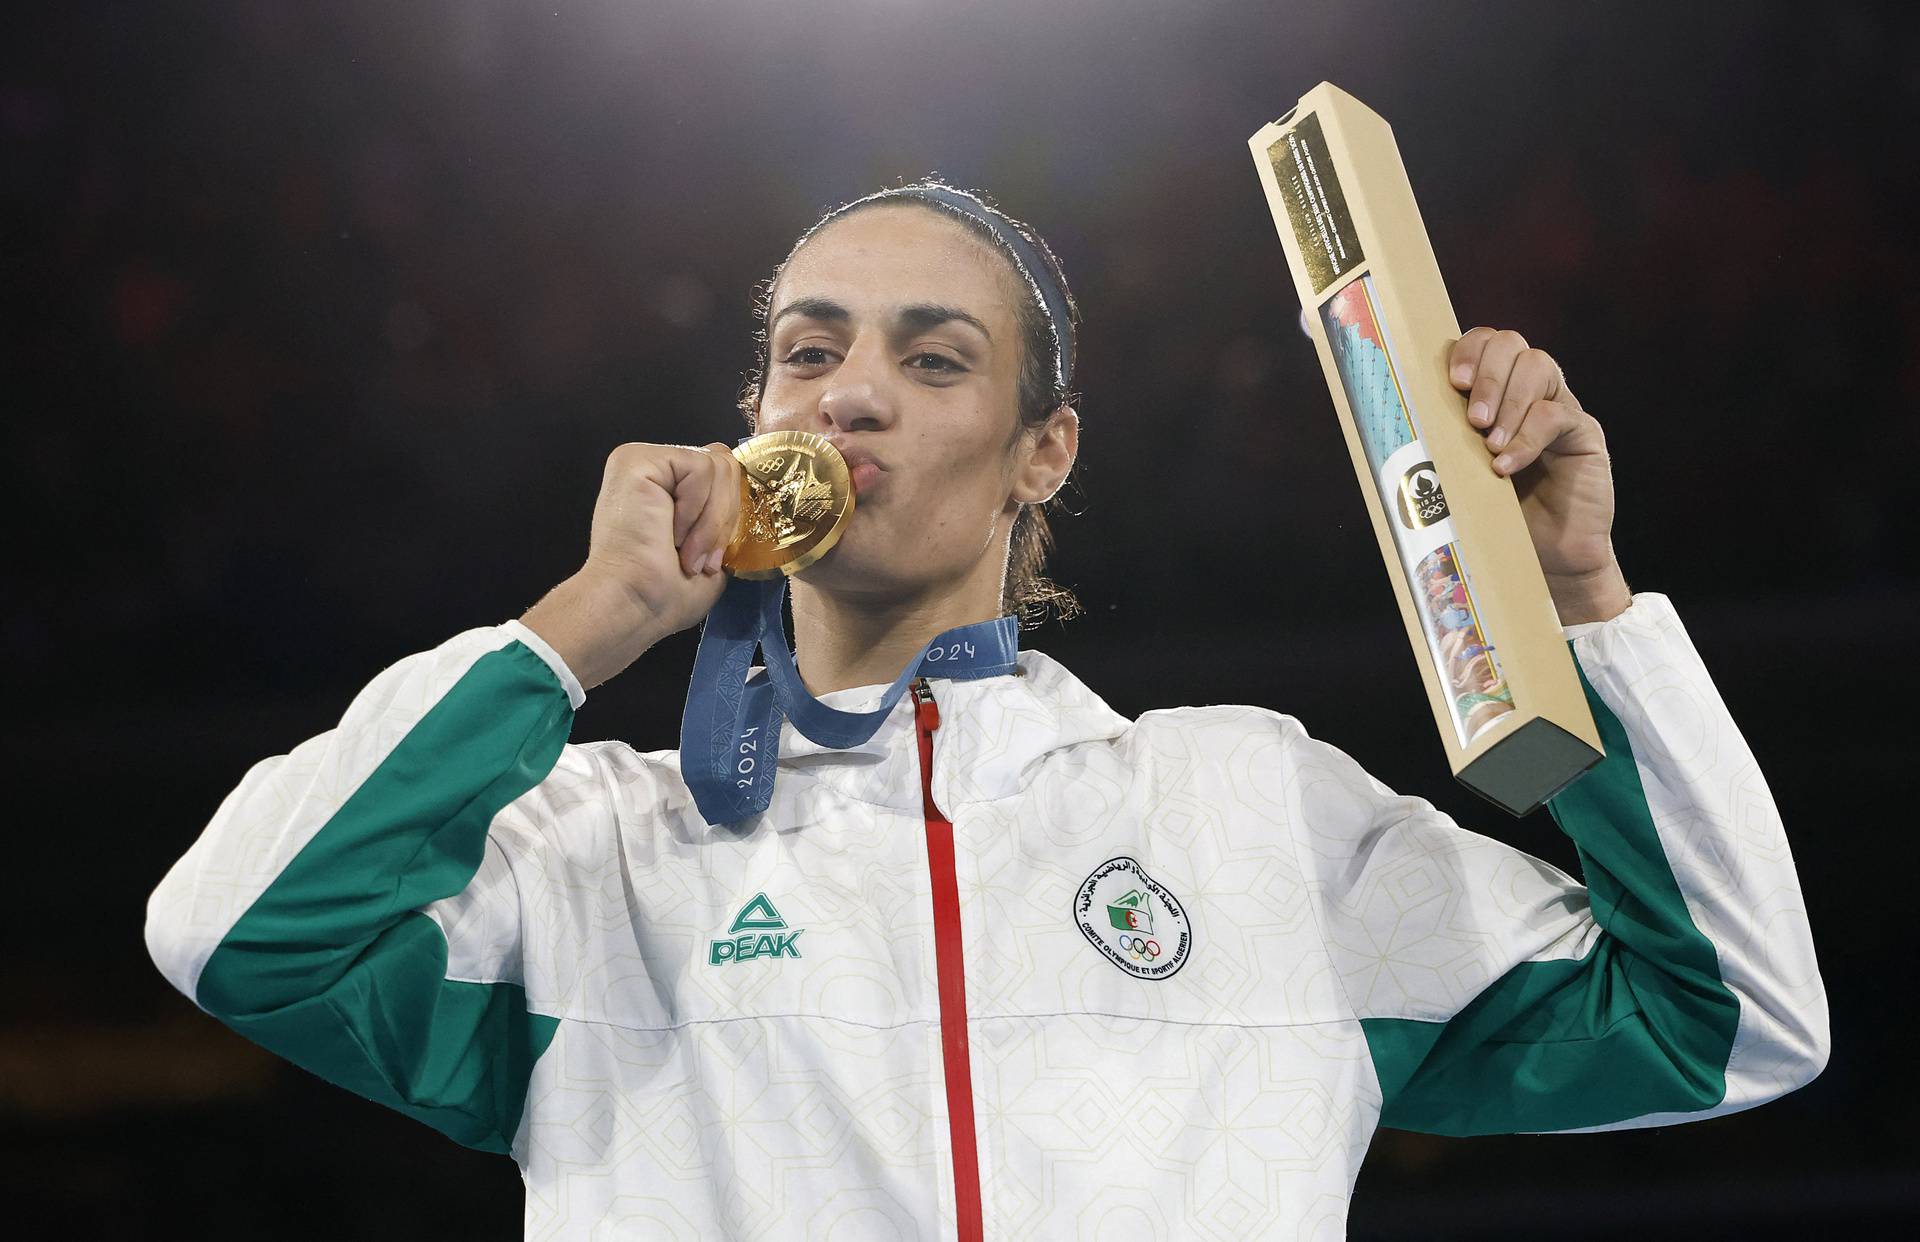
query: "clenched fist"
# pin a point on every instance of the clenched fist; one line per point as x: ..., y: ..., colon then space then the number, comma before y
x: 1556, y: 455
x: 660, y: 527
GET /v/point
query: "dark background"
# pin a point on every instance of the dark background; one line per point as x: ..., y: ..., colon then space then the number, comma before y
x: 321, y: 319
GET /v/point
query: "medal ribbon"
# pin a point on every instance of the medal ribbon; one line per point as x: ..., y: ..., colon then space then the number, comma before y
x: 730, y: 730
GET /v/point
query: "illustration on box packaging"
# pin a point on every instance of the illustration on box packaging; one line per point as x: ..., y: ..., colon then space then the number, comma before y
x: 1463, y: 655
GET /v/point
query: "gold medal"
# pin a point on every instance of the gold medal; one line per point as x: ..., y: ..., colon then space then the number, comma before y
x: 795, y: 498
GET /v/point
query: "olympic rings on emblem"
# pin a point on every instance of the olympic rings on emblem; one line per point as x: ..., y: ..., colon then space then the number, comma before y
x: 1140, y: 948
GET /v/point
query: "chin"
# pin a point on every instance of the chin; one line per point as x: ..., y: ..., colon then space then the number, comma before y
x: 864, y: 562
x: 850, y: 566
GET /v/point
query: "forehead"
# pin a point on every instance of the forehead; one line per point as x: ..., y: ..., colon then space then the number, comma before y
x: 901, y: 253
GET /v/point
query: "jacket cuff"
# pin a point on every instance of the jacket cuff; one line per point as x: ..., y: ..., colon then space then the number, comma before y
x: 1648, y: 608
x: 576, y: 694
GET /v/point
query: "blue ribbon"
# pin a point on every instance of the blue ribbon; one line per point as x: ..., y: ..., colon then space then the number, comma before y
x: 730, y: 730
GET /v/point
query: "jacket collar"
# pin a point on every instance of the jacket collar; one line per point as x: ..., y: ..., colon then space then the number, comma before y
x: 994, y: 734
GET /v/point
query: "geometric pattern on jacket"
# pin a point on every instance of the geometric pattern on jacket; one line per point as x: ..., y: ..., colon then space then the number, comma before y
x: 444, y: 905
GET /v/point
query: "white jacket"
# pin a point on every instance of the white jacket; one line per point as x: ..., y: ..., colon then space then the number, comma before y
x: 1158, y: 978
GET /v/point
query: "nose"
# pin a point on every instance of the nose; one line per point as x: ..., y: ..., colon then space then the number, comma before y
x: 857, y: 396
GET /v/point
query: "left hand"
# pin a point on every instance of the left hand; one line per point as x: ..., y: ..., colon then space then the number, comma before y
x: 1556, y: 454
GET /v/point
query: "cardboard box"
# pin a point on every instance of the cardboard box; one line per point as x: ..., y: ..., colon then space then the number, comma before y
x: 1505, y: 696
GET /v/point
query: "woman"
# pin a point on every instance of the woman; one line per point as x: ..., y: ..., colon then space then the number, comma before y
x: 1014, y: 965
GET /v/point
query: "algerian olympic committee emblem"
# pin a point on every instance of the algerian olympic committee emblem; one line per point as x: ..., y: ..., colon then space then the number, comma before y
x: 1132, y: 919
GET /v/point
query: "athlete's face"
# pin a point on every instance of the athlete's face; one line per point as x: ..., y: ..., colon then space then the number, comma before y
x: 893, y: 333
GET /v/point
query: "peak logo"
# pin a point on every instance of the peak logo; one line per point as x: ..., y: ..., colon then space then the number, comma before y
x: 757, y: 931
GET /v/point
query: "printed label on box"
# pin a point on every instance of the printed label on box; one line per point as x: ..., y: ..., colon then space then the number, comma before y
x: 1315, y: 204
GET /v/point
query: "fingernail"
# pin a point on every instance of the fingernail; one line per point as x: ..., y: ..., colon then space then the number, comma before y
x: 1497, y: 437
x: 714, y: 561
x: 1478, y: 414
x: 1503, y: 463
x: 1462, y: 373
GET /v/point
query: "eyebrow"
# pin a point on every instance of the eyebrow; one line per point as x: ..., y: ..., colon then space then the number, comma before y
x: 917, y: 317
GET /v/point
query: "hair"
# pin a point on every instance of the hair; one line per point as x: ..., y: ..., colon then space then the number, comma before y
x: 1028, y: 592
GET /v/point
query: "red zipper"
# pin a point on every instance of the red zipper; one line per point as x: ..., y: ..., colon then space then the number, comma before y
x: 949, y: 960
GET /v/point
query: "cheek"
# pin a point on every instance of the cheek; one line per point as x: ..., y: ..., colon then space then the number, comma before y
x: 777, y: 407
x: 962, y: 483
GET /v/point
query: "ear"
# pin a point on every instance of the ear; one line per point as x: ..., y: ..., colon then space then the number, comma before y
x: 1047, y: 457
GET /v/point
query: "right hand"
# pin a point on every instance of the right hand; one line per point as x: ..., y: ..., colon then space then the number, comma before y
x: 662, y: 521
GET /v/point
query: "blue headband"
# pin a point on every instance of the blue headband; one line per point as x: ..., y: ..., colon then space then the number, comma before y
x: 1039, y: 280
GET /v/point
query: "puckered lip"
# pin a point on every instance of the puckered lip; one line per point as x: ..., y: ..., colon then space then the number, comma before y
x: 857, y: 456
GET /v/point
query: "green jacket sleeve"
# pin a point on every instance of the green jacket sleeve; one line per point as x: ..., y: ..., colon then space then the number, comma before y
x: 1498, y: 994
x: 299, y: 918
